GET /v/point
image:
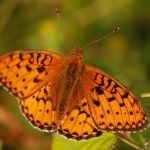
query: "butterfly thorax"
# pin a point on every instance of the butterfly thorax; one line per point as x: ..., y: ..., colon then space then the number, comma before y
x: 73, y: 72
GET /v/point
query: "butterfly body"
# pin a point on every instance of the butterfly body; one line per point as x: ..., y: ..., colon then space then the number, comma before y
x: 72, y: 73
x: 63, y: 94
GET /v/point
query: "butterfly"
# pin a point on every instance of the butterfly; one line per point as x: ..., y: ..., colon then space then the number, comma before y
x: 64, y: 95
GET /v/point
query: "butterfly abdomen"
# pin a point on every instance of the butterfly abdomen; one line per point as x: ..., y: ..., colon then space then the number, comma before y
x: 71, y: 77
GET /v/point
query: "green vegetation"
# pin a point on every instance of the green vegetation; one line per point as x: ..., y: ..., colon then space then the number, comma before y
x: 33, y: 24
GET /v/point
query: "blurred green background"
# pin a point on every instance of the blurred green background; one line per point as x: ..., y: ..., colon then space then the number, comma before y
x: 33, y: 24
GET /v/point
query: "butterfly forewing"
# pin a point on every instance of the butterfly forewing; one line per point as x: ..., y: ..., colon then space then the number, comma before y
x: 22, y: 73
x: 112, y: 105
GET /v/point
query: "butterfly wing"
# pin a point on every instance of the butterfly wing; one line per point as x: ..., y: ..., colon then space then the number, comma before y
x: 23, y: 73
x: 78, y: 123
x: 112, y: 105
x: 38, y: 109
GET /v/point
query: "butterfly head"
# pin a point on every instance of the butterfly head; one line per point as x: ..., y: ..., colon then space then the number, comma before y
x: 75, y: 62
x: 77, y: 53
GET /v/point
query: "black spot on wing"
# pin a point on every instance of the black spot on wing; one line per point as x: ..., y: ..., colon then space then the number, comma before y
x: 18, y: 65
x: 96, y: 102
x: 109, y: 83
x: 102, y: 81
x: 125, y: 95
x: 45, y: 91
x: 84, y: 104
x: 28, y: 68
x: 110, y: 99
x: 40, y: 69
x: 21, y: 56
x: 99, y: 91
x: 96, y: 76
x: 36, y: 80
x: 122, y: 104
x: 38, y: 56
x: 44, y: 59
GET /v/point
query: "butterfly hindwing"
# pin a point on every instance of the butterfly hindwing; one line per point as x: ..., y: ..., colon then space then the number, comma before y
x: 78, y: 124
x: 113, y: 106
x: 38, y: 109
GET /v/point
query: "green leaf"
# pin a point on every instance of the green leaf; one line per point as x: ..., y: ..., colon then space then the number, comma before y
x: 103, y: 142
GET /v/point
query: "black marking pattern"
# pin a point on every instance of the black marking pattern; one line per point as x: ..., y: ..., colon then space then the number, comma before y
x: 96, y: 102
x: 16, y: 68
x: 41, y: 69
x: 28, y: 68
x: 122, y: 103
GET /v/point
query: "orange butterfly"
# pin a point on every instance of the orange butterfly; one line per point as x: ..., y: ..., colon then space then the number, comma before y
x: 62, y: 94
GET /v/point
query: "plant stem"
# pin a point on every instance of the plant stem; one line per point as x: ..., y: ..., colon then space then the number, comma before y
x: 126, y: 140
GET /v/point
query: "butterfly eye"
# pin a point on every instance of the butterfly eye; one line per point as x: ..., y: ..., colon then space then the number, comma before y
x: 77, y: 53
x: 77, y: 56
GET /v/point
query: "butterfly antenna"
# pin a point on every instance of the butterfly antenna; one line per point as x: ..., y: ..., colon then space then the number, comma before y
x: 66, y: 31
x: 104, y: 37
